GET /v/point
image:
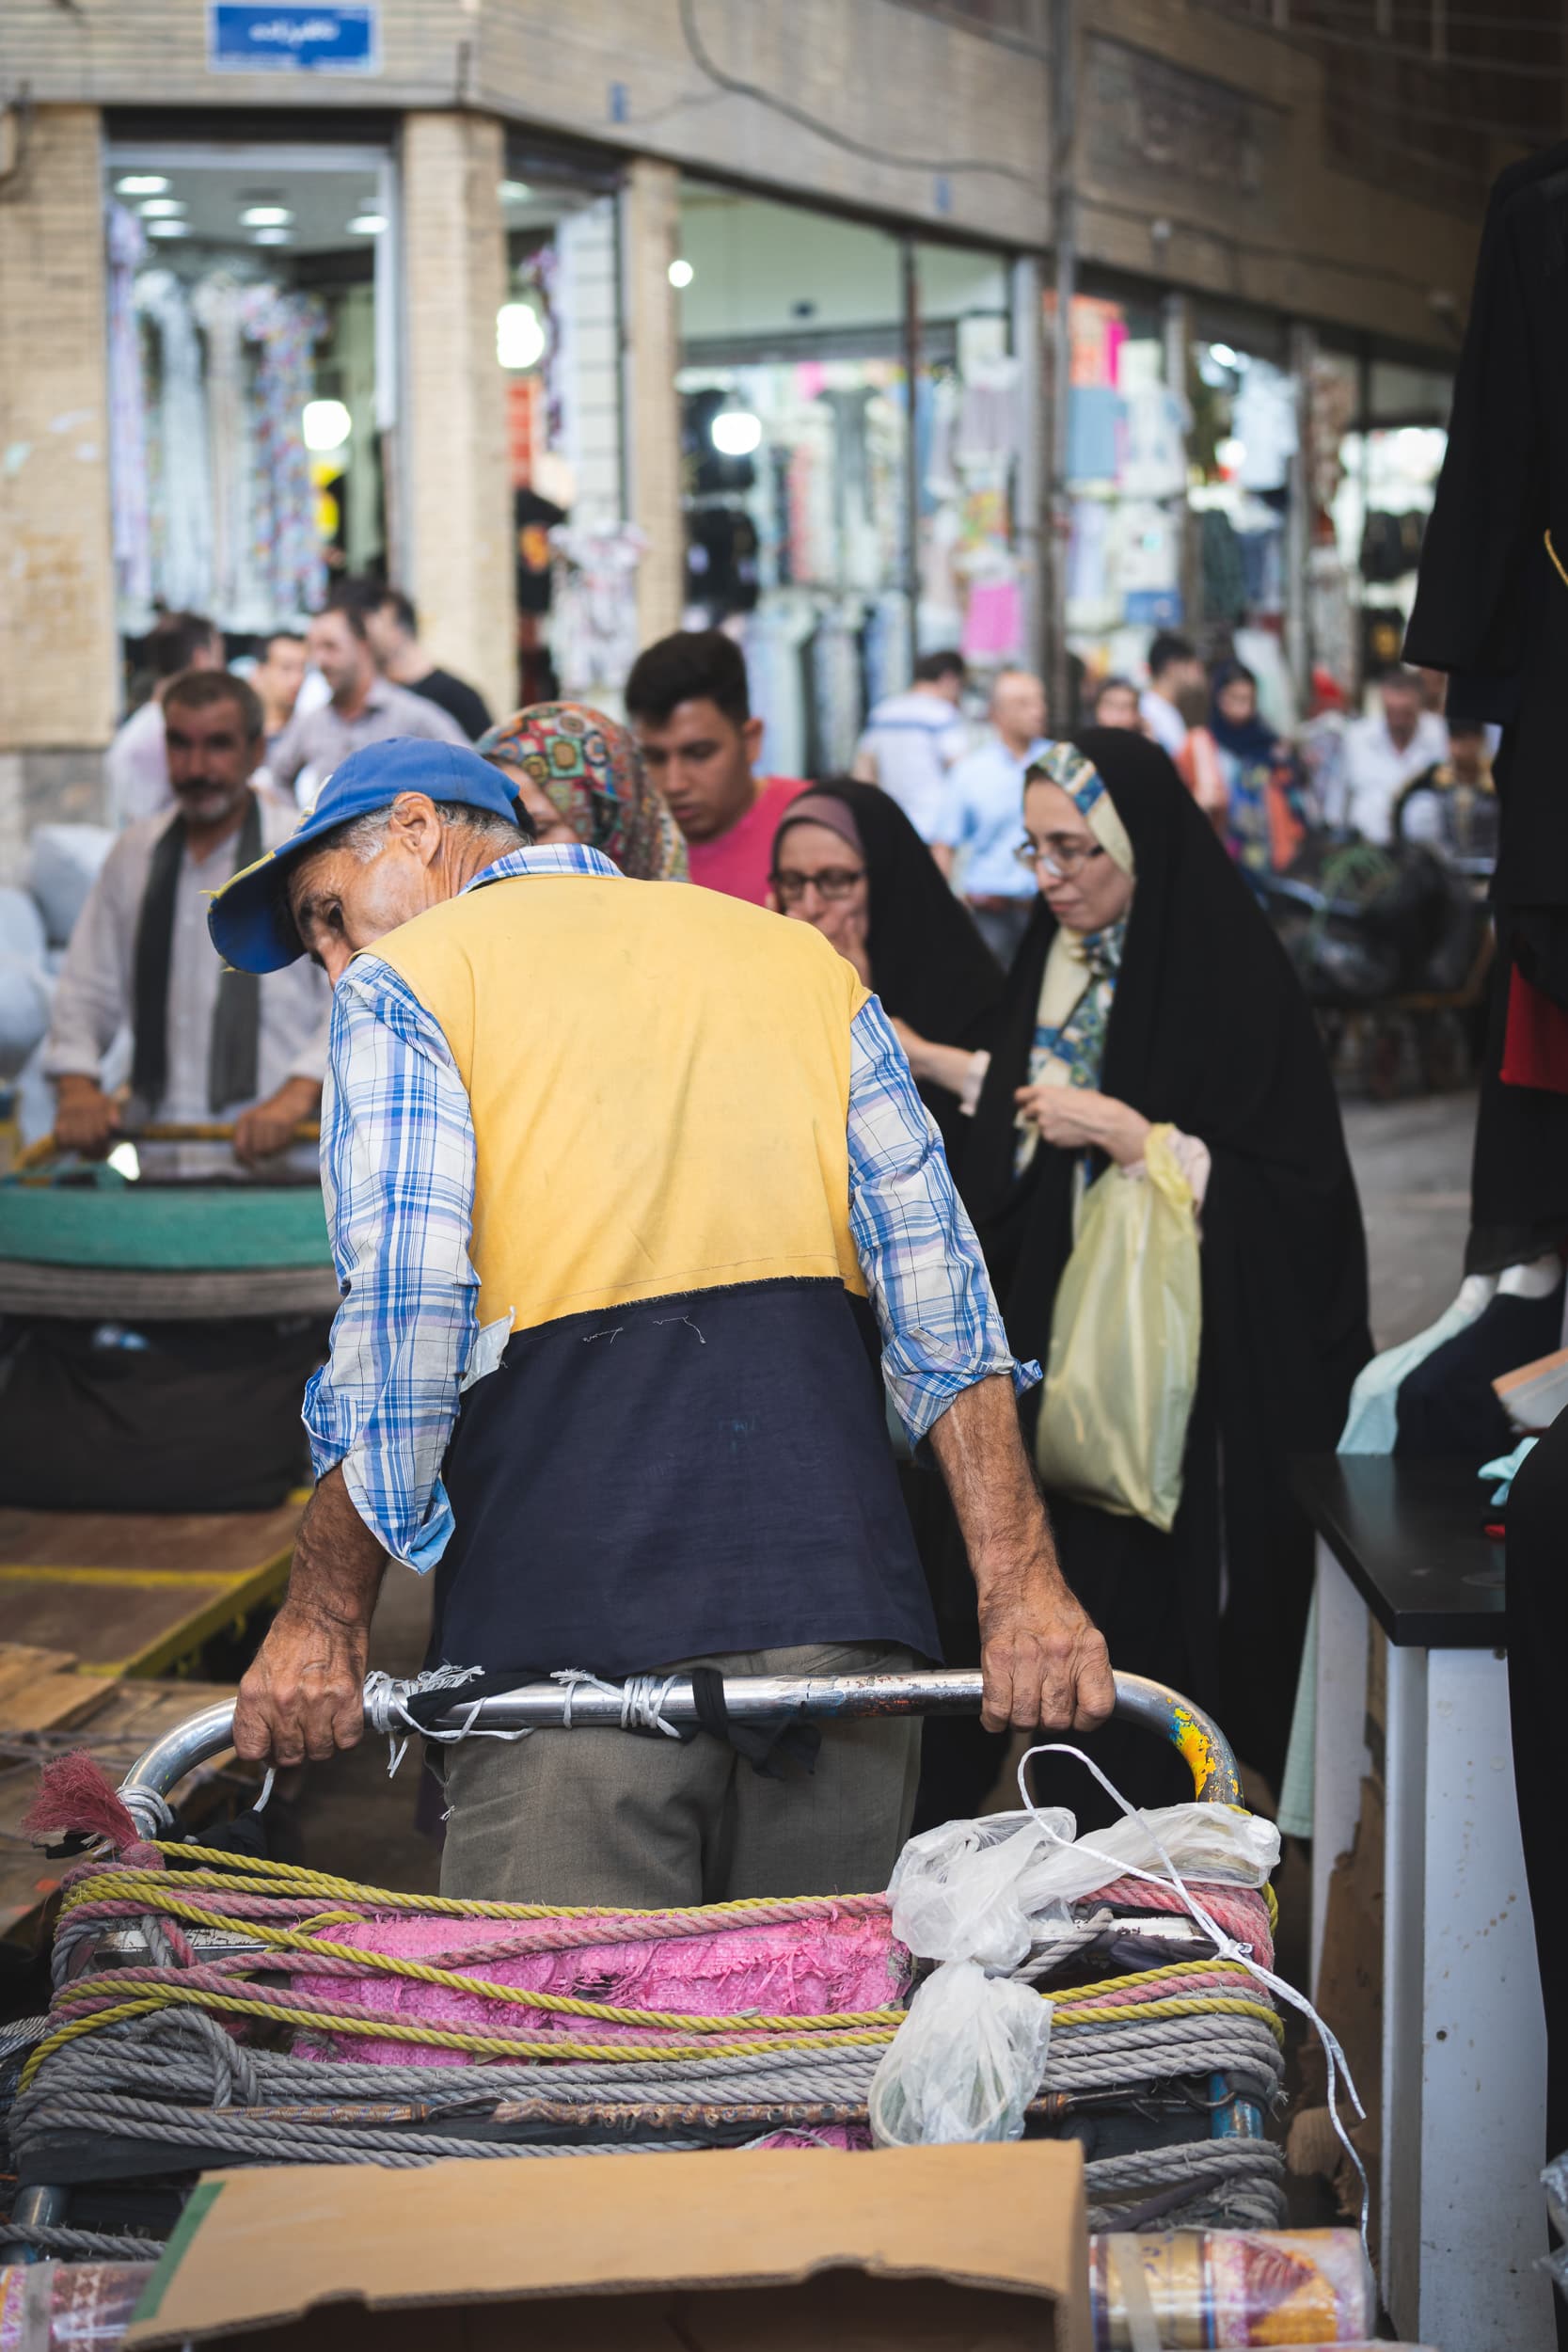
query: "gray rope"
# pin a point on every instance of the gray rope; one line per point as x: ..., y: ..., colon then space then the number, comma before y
x: 1234, y: 2184
x: 80, y: 2245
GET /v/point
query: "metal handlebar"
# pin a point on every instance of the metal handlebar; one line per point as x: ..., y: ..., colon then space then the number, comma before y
x: 543, y: 1706
x: 39, y: 1154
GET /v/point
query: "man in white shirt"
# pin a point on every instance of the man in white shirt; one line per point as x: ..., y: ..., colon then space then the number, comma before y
x: 136, y: 770
x: 914, y: 740
x: 1174, y: 670
x: 209, y: 1045
x: 365, y: 707
x: 1386, y: 753
x: 982, y: 824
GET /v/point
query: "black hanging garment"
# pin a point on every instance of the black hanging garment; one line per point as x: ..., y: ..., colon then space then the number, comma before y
x: 1211, y: 1031
x: 1492, y: 610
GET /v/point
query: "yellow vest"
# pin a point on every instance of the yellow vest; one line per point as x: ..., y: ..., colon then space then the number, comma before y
x: 660, y: 1079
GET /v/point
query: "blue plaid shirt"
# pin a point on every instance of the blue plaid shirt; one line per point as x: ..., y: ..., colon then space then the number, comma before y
x: 398, y: 1175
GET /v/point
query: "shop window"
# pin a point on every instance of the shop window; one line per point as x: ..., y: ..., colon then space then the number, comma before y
x: 969, y: 437
x: 815, y: 531
x: 252, y: 390
x: 1242, y: 447
x: 558, y: 337
x: 1127, y: 485
x: 1389, y: 460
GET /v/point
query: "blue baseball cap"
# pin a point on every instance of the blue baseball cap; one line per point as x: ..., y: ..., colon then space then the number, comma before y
x: 248, y: 918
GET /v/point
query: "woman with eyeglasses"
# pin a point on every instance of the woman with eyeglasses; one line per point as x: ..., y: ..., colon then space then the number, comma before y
x: 1150, y: 988
x: 847, y: 859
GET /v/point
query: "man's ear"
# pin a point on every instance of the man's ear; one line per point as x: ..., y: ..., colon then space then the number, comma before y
x: 416, y: 823
x: 751, y: 735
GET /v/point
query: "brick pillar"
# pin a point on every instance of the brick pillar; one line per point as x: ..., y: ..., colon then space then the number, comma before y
x: 652, y: 227
x: 58, y: 685
x: 459, y: 564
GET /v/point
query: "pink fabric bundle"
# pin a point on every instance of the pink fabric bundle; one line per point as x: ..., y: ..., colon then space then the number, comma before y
x: 825, y: 1963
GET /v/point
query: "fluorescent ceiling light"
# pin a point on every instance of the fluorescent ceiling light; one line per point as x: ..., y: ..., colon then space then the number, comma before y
x: 367, y: 225
x: 327, y: 425
x: 161, y: 208
x: 272, y: 236
x: 1223, y: 353
x: 681, y: 273
x: 167, y: 228
x: 266, y: 216
x: 515, y: 192
x: 736, y: 432
x: 141, y: 184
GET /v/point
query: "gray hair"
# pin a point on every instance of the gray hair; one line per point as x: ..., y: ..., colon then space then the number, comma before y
x: 366, y: 836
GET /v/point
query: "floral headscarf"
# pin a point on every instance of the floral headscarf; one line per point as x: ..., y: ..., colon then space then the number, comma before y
x: 592, y: 773
x: 1078, y: 986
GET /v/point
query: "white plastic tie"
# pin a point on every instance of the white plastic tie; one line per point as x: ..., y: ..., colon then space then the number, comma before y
x: 387, y: 1710
x: 643, y: 1698
x: 1226, y: 1948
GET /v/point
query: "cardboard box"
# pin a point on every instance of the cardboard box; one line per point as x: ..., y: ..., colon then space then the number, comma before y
x: 940, y: 2249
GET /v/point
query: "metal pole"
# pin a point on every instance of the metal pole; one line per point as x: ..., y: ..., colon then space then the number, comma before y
x: 1303, y: 351
x: 910, y: 269
x: 1177, y: 321
x: 1031, y: 500
x: 1064, y: 232
x: 546, y: 1705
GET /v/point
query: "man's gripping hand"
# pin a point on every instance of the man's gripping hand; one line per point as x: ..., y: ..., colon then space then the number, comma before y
x: 303, y: 1696
x: 1044, y: 1662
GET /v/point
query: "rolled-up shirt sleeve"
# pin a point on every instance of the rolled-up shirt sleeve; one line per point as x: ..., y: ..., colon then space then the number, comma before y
x: 398, y: 1178
x: 942, y: 1328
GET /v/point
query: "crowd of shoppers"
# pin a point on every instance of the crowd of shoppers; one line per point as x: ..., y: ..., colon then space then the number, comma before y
x: 1061, y: 934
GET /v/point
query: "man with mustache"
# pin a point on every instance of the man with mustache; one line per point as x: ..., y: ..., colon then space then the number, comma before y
x: 208, y: 1044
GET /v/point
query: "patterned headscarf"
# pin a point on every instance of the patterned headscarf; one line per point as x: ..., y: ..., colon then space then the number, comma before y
x: 592, y: 773
x: 1080, y: 983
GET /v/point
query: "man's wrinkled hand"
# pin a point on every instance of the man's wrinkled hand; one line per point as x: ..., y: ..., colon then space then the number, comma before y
x: 1044, y: 1662
x: 303, y: 1697
x: 269, y: 1127
x: 85, y: 1119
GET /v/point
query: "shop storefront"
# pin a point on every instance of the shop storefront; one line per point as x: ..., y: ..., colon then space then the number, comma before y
x: 252, y: 377
x: 831, y: 539
x: 1385, y: 459
x: 1227, y: 478
x: 559, y: 339
x: 1126, y: 466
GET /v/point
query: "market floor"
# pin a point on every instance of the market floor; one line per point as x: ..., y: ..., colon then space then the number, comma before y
x: 1412, y: 1163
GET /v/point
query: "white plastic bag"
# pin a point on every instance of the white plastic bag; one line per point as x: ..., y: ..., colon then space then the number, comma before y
x: 956, y: 1891
x: 964, y: 2064
x: 986, y: 1890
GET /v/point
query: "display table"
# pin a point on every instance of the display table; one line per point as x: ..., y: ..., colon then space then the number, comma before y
x: 1402, y: 1555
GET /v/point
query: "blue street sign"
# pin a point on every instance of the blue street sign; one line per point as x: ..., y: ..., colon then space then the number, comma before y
x: 254, y: 37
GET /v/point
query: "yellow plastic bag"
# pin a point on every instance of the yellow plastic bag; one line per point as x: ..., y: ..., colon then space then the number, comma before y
x: 1124, y: 1340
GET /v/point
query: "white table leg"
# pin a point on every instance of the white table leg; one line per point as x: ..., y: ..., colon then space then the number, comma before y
x: 1404, y: 1866
x: 1481, y: 2104
x: 1339, y: 1761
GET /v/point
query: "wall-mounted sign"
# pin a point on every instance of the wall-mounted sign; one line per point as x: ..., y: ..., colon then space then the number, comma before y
x: 251, y: 37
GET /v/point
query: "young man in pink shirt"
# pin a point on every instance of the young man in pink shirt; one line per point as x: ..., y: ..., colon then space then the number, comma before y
x: 689, y: 705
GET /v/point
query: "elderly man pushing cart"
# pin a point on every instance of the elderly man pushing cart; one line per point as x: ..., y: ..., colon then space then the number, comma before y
x: 626, y: 1181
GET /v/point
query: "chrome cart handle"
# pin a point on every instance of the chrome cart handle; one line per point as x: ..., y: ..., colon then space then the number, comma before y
x: 543, y: 1706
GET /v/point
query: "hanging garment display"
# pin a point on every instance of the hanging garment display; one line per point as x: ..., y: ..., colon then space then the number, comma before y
x: 1263, y: 419
x: 288, y: 553
x: 182, y: 535
x: 133, y: 529
x: 241, y: 596
x: 593, y: 633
